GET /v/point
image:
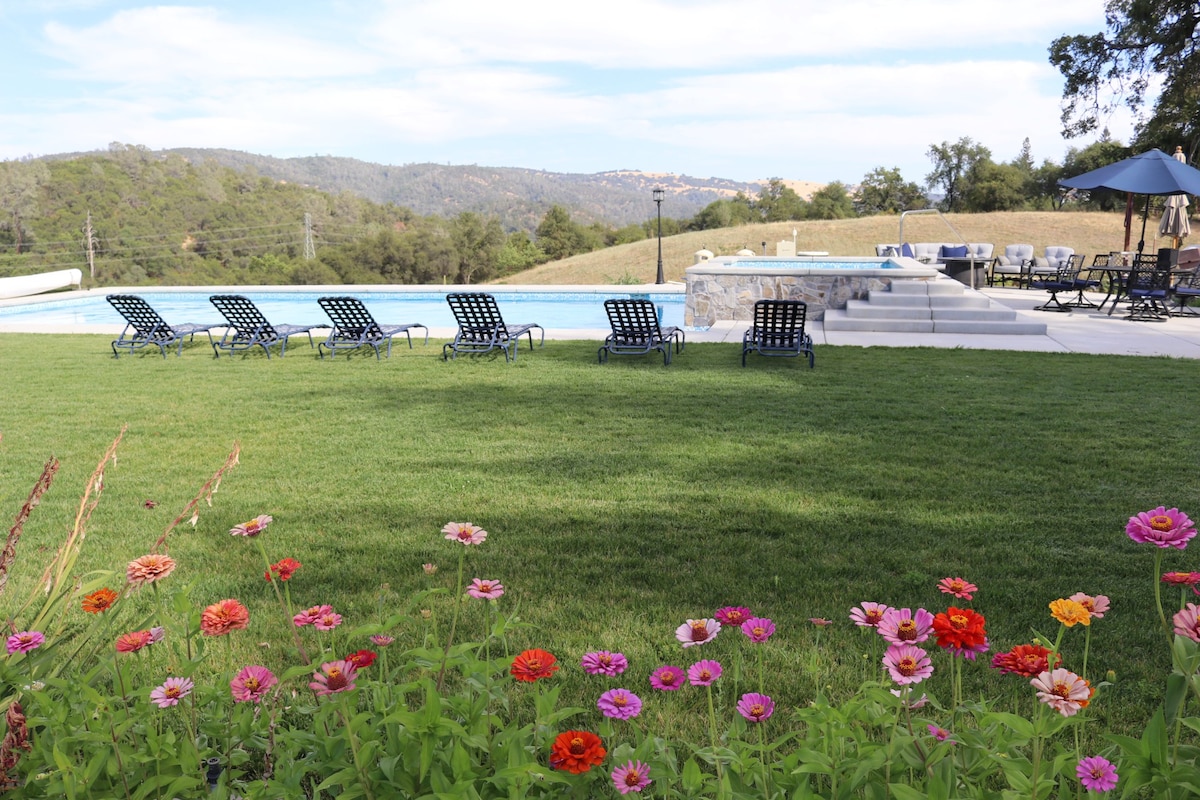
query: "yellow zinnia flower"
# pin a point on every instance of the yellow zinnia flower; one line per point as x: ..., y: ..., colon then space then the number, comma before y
x: 1069, y: 612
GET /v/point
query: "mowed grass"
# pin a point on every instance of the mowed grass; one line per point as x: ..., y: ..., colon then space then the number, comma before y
x: 622, y: 499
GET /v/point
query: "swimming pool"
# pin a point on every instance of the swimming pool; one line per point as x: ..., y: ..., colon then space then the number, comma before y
x: 552, y: 309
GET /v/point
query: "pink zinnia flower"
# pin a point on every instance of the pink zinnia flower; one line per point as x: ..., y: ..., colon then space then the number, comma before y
x: 334, y: 676
x: 1181, y: 578
x: 633, y: 777
x: 1096, y: 606
x: 756, y: 707
x: 171, y: 692
x: 1161, y: 527
x: 464, y: 532
x: 157, y: 634
x: 1097, y: 774
x: 941, y: 734
x: 902, y: 626
x: 1187, y: 622
x: 252, y: 683
x: 703, y: 673
x: 697, y: 631
x: 430, y: 569
x: 1062, y: 690
x: 311, y: 615
x: 132, y: 642
x: 24, y: 641
x: 868, y: 615
x: 667, y: 678
x: 381, y: 640
x: 252, y: 528
x: 485, y: 589
x: 958, y: 587
x: 820, y: 622
x: 907, y: 664
x: 327, y: 621
x: 619, y: 704
x: 149, y: 568
x: 732, y: 615
x: 603, y: 662
x: 759, y: 629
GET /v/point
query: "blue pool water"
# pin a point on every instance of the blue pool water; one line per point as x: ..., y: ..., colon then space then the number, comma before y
x: 548, y: 309
x: 805, y: 263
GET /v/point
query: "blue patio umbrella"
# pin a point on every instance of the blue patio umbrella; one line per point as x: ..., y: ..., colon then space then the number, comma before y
x: 1150, y: 173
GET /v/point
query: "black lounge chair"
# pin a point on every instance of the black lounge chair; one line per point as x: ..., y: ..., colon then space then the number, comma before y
x: 481, y: 329
x: 636, y: 331
x: 144, y: 327
x: 778, y: 330
x: 248, y: 328
x: 354, y: 327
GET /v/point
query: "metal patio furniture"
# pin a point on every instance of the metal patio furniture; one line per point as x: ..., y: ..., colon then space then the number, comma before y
x: 778, y: 330
x: 145, y: 328
x: 354, y: 327
x: 248, y: 328
x: 481, y: 328
x: 637, y: 331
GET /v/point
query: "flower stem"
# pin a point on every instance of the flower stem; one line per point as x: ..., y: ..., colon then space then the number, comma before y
x: 454, y: 620
x: 712, y: 729
x: 1158, y: 556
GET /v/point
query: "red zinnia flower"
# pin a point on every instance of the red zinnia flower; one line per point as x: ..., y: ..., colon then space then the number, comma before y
x: 1026, y: 660
x: 363, y: 658
x: 132, y: 642
x: 283, y: 569
x: 533, y: 665
x: 99, y: 600
x: 576, y: 751
x: 960, y: 629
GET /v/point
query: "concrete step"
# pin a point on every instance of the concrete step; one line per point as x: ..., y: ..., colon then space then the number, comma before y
x: 1016, y: 328
x: 926, y: 288
x: 973, y: 300
x: 836, y: 320
x: 941, y: 306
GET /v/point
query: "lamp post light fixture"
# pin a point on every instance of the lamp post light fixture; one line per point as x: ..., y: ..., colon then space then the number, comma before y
x: 658, y: 199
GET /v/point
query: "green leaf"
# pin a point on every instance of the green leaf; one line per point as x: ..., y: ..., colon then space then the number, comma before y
x: 692, y: 778
x: 902, y: 792
x: 1177, y: 687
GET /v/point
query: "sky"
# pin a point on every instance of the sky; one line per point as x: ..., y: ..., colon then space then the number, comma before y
x: 737, y: 89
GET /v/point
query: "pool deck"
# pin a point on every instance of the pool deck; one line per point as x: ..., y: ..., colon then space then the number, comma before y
x: 1081, y: 331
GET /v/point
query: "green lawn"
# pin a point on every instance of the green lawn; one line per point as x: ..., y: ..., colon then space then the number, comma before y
x: 623, y: 498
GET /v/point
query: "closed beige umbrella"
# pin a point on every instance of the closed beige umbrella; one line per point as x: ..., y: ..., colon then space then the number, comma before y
x: 1175, y: 223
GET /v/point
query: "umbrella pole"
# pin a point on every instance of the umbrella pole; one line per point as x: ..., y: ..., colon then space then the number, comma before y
x: 1128, y: 218
x: 1145, y: 216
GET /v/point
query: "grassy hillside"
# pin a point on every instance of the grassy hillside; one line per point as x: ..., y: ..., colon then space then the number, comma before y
x: 1087, y: 233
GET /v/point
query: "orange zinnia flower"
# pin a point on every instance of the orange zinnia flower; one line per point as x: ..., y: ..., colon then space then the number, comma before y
x: 132, y: 642
x: 576, y: 751
x: 223, y: 617
x: 960, y: 629
x: 1069, y: 612
x: 149, y: 568
x: 99, y: 600
x: 532, y: 665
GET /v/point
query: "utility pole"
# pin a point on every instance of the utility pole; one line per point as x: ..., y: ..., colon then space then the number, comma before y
x: 89, y: 240
x: 310, y: 252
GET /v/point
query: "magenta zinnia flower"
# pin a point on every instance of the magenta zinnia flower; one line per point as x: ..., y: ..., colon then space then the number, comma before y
x: 633, y: 777
x: 868, y: 615
x: 311, y: 615
x: 907, y: 664
x: 902, y: 626
x: 941, y: 734
x: 252, y: 683
x: 667, y: 678
x: 1161, y: 527
x: 24, y: 641
x: 335, y: 676
x: 327, y: 621
x: 485, y: 589
x: 464, y: 532
x: 1062, y: 690
x: 704, y: 673
x: 382, y: 640
x: 697, y: 631
x: 171, y: 692
x: 732, y: 615
x: 958, y: 587
x: 619, y: 704
x: 603, y: 662
x: 1181, y: 578
x: 1097, y: 774
x: 759, y: 629
x: 756, y: 707
x: 1187, y: 622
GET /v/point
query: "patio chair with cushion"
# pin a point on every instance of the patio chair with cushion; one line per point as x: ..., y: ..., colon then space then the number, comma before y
x: 248, y: 328
x: 778, y: 330
x: 636, y: 330
x: 354, y: 327
x: 1011, y: 265
x: 482, y: 329
x: 1042, y: 268
x: 1147, y: 289
x: 144, y: 327
x: 1070, y: 278
x: 1185, y: 289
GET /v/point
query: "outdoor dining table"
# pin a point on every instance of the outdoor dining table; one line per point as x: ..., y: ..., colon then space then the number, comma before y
x: 1116, y: 278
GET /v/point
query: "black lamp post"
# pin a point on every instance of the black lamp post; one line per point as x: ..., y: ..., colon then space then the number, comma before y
x: 658, y: 198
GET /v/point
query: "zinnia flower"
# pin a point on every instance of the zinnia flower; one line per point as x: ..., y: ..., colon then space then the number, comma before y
x: 327, y: 621
x: 958, y: 587
x: 820, y: 622
x: 732, y: 615
x: 252, y: 528
x: 485, y: 589
x: 252, y: 683
x: 1062, y: 690
x: 667, y: 678
x: 361, y: 658
x: 157, y: 634
x: 430, y: 569
x: 759, y: 629
x: 382, y: 640
x: 697, y: 631
x: 1095, y: 606
x: 99, y: 601
x: 868, y: 615
x: 149, y: 568
x: 961, y: 630
x: 1161, y: 528
x: 576, y: 751
x: 1026, y: 660
x: 1097, y: 774
x: 603, y: 662
x: 464, y: 532
x: 132, y: 642
x: 941, y: 734
x: 704, y: 673
x: 171, y: 692
x: 907, y: 664
x: 311, y: 615
x: 533, y: 665
x: 905, y: 694
x: 1070, y: 612
x: 902, y: 626
x: 283, y: 569
x: 1181, y: 578
x: 633, y: 777
x: 756, y: 707
x: 223, y: 617
x: 619, y: 704
x: 334, y: 676
x: 24, y: 641
x: 1187, y: 622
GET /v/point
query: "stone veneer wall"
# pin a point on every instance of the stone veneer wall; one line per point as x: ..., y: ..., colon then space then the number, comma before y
x: 724, y: 296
